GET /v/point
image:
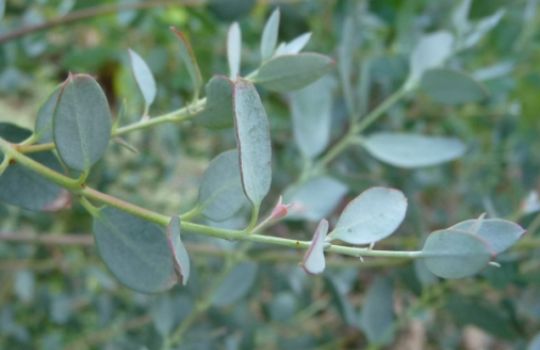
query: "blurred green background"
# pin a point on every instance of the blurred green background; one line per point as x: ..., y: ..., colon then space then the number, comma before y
x: 55, y: 293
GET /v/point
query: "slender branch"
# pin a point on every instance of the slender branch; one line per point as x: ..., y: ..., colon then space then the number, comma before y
x: 163, y: 220
x: 97, y: 11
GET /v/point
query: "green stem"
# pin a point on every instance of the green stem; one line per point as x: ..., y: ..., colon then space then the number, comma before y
x: 163, y: 220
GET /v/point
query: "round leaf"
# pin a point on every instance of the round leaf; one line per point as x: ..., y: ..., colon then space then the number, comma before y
x: 411, y: 150
x: 82, y: 122
x: 314, y: 262
x: 453, y: 253
x: 499, y: 234
x: 253, y: 139
x: 291, y: 72
x: 375, y: 214
x: 136, y: 251
x: 220, y: 193
x: 452, y: 87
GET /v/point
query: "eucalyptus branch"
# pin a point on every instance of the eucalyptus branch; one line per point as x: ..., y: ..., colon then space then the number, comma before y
x: 163, y: 220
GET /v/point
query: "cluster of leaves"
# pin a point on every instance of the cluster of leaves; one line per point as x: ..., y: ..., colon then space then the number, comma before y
x: 143, y: 249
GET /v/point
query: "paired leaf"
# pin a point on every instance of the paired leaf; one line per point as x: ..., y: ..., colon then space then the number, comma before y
x: 82, y: 122
x: 375, y: 214
x: 291, y: 72
x: 135, y: 251
x: 294, y: 46
x: 311, y: 109
x: 179, y: 253
x: 270, y: 35
x: 221, y: 193
x: 218, y: 112
x: 253, y: 139
x: 315, y: 199
x: 234, y: 49
x: 431, y: 51
x: 411, y: 150
x: 377, y: 316
x: 144, y: 78
x: 314, y: 262
x: 44, y: 121
x: 236, y: 285
x: 453, y: 253
x: 452, y: 87
x: 499, y: 234
x: 188, y: 57
x: 27, y: 189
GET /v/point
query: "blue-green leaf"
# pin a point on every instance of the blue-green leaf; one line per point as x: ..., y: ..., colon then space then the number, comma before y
x: 236, y: 285
x: 220, y: 193
x: 44, y: 121
x: 269, y: 36
x: 218, y: 112
x: 311, y: 109
x: 136, y: 251
x: 498, y: 233
x: 377, y: 316
x: 314, y: 199
x: 375, y: 214
x: 431, y: 51
x: 253, y: 140
x: 179, y: 253
x: 411, y: 150
x: 314, y: 262
x: 452, y: 87
x: 82, y: 122
x: 234, y: 49
x: 454, y: 253
x: 292, y: 72
x: 188, y: 57
x: 144, y: 78
x: 294, y: 46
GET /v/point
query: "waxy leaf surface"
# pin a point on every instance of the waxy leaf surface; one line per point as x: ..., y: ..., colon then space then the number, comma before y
x: 179, y: 253
x: 144, y: 78
x: 270, y: 35
x: 314, y: 262
x: 452, y: 87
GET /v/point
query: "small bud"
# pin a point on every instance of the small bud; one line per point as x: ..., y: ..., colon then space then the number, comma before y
x: 280, y: 210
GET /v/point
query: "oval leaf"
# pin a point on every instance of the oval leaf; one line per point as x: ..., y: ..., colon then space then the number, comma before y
x: 253, y: 139
x: 452, y: 87
x: 144, y: 77
x: 218, y: 112
x: 314, y: 262
x: 411, y: 150
x: 430, y: 52
x: 82, y: 122
x: 179, y: 253
x: 377, y: 315
x: 25, y: 188
x: 136, y: 251
x: 221, y: 193
x: 44, y: 120
x: 234, y: 49
x: 236, y: 285
x: 499, y: 234
x: 315, y: 199
x: 188, y: 57
x: 311, y: 109
x: 269, y: 36
x: 453, y: 253
x: 291, y: 72
x: 375, y: 214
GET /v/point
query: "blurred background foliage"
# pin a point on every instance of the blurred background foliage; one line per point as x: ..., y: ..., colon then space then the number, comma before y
x: 55, y: 293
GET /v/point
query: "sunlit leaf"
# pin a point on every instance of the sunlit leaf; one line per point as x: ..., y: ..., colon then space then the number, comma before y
x: 270, y: 35
x: 82, y: 122
x: 144, y: 78
x: 454, y: 253
x: 292, y: 72
x: 411, y: 150
x: 220, y: 193
x: 452, y: 87
x: 431, y: 51
x: 314, y: 262
x: 375, y: 214
x: 136, y: 251
x: 253, y: 140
